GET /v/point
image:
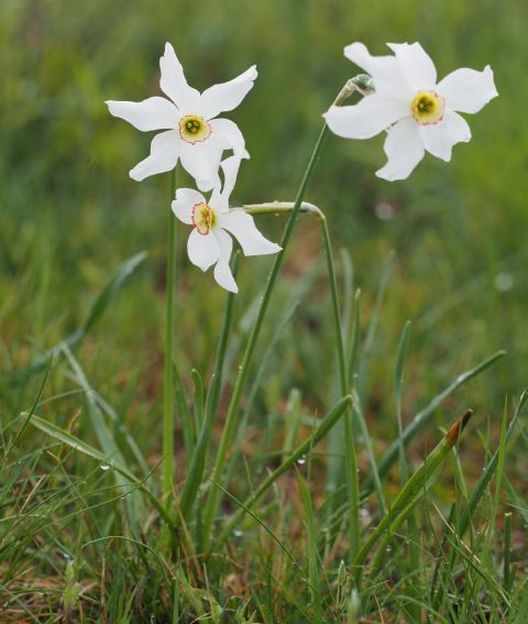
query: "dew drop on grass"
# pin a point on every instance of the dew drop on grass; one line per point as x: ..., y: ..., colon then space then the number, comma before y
x: 302, y: 460
x: 238, y: 533
x: 104, y: 467
x: 503, y: 282
x: 384, y: 211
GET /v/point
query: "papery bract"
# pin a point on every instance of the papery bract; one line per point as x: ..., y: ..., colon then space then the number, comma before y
x: 192, y: 133
x: 213, y: 222
x: 419, y: 113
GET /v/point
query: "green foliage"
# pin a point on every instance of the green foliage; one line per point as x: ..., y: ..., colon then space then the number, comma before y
x: 82, y: 516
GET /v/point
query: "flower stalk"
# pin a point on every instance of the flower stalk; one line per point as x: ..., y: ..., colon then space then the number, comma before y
x: 231, y: 422
x: 168, y: 378
x: 352, y: 476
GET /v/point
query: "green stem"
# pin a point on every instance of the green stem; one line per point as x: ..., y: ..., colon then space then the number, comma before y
x: 168, y: 379
x: 231, y: 422
x: 351, y: 456
x: 197, y: 464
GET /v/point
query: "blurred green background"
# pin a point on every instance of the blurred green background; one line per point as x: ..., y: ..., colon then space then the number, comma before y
x: 69, y: 213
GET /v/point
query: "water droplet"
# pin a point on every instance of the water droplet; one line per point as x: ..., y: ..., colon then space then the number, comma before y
x: 238, y: 533
x: 503, y: 282
x: 384, y: 210
x: 104, y: 467
x: 302, y: 460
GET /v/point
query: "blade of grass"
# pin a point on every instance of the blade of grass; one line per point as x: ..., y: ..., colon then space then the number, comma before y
x: 314, y: 571
x: 415, y: 586
x: 82, y: 447
x: 134, y: 502
x: 322, y: 429
x: 421, y: 419
x: 507, y: 576
x: 98, y: 308
x: 412, y: 491
x: 488, y: 471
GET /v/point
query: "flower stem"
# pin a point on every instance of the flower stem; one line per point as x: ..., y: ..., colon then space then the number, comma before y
x: 231, y: 422
x: 196, y: 466
x: 350, y: 445
x: 168, y: 379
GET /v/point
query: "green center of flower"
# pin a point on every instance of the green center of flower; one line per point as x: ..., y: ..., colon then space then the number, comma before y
x: 427, y: 107
x: 194, y: 128
x: 203, y: 218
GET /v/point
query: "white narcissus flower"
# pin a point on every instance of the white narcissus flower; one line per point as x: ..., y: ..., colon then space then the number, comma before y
x: 192, y: 132
x: 210, y: 241
x: 418, y: 113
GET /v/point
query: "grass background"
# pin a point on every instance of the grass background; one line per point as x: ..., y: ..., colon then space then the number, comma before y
x: 69, y: 212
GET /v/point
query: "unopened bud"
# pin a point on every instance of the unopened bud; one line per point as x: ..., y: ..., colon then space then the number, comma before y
x: 364, y: 83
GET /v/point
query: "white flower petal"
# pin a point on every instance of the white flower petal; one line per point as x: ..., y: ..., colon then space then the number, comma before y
x: 174, y: 84
x: 203, y: 250
x: 202, y: 161
x: 184, y: 202
x: 222, y: 270
x: 227, y: 95
x: 438, y: 139
x: 370, y: 116
x: 220, y: 196
x: 164, y: 153
x: 243, y: 228
x: 225, y: 134
x: 155, y: 113
x: 385, y: 70
x: 404, y: 150
x: 416, y: 65
x: 467, y: 90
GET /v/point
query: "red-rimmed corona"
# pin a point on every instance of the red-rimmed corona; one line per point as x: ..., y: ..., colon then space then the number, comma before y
x: 194, y: 128
x: 428, y: 107
x: 203, y: 218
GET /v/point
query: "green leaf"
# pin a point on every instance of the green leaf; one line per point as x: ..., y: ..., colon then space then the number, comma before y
x: 99, y: 307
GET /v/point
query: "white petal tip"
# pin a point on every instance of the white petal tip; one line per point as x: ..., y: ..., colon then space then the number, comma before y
x: 353, y: 48
x: 489, y: 73
x: 388, y: 176
x: 205, y: 185
x: 137, y: 177
x: 266, y: 248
